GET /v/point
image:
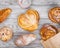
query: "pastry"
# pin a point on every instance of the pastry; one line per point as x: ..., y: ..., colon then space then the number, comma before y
x: 29, y: 21
x: 5, y: 34
x: 48, y: 31
x: 24, y: 3
x: 4, y: 13
x: 25, y: 39
x: 54, y: 14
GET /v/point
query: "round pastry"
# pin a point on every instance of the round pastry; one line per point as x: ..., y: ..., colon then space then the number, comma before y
x: 54, y: 14
x: 5, y: 34
x: 48, y: 31
x: 4, y: 13
x: 24, y: 3
x: 24, y: 40
x: 29, y: 21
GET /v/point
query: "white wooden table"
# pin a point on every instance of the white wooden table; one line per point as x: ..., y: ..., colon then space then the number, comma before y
x: 42, y: 6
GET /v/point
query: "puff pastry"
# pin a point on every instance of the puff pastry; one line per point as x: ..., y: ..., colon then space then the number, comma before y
x: 4, y: 14
x: 5, y: 33
x: 54, y: 14
x: 25, y: 39
x: 48, y: 31
x: 29, y: 20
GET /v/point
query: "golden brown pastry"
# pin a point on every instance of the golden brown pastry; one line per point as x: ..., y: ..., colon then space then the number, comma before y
x: 29, y: 21
x: 54, y: 14
x: 4, y: 13
x: 48, y: 31
x: 24, y: 40
x: 5, y: 34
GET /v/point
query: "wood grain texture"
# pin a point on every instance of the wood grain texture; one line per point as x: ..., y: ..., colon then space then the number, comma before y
x: 42, y: 6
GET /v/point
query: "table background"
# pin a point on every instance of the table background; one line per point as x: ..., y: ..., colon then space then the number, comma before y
x: 42, y: 6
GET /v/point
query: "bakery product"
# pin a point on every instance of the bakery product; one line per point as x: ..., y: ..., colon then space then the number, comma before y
x: 24, y: 3
x: 4, y: 13
x: 54, y: 14
x: 5, y: 33
x: 47, y: 31
x: 29, y: 20
x: 25, y: 39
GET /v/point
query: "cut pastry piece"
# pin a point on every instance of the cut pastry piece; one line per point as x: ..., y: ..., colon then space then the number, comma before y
x: 5, y: 34
x: 54, y: 14
x: 29, y: 21
x: 4, y: 14
x: 26, y: 39
x: 48, y: 31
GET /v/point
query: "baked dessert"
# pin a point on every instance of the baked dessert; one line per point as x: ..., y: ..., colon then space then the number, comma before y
x: 47, y: 31
x: 25, y: 39
x: 29, y: 20
x: 24, y: 3
x: 54, y: 14
x: 5, y: 34
x: 4, y: 13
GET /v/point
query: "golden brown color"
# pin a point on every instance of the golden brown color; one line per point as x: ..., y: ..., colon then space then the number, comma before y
x: 54, y: 14
x: 4, y: 13
x: 5, y: 34
x: 29, y: 21
x: 48, y: 31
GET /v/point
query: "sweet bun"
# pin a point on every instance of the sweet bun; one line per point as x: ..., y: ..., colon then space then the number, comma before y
x: 25, y: 39
x: 54, y: 14
x: 29, y: 20
x: 47, y: 31
x: 4, y: 13
x: 5, y: 33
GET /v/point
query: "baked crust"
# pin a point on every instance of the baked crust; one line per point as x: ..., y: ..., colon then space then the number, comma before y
x: 4, y: 13
x: 29, y: 20
x: 25, y: 39
x: 47, y: 31
x: 54, y: 14
x: 5, y: 34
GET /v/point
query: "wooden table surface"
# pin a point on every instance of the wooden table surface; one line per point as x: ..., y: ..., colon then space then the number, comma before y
x: 42, y: 6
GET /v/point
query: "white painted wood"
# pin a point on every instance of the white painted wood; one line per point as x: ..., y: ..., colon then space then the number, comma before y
x: 42, y: 6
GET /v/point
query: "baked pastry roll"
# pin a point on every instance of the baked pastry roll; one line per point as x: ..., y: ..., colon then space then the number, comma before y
x: 24, y: 40
x: 48, y: 31
x: 4, y: 13
x: 54, y: 14
x: 5, y: 34
x: 29, y: 20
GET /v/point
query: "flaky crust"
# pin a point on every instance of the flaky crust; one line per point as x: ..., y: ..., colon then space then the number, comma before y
x: 29, y: 20
x: 47, y: 31
x: 4, y: 13
x: 25, y: 39
x: 54, y: 14
x: 5, y: 33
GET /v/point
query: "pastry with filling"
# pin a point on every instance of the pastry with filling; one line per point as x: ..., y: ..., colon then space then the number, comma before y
x: 47, y: 31
x: 5, y: 33
x: 4, y: 13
